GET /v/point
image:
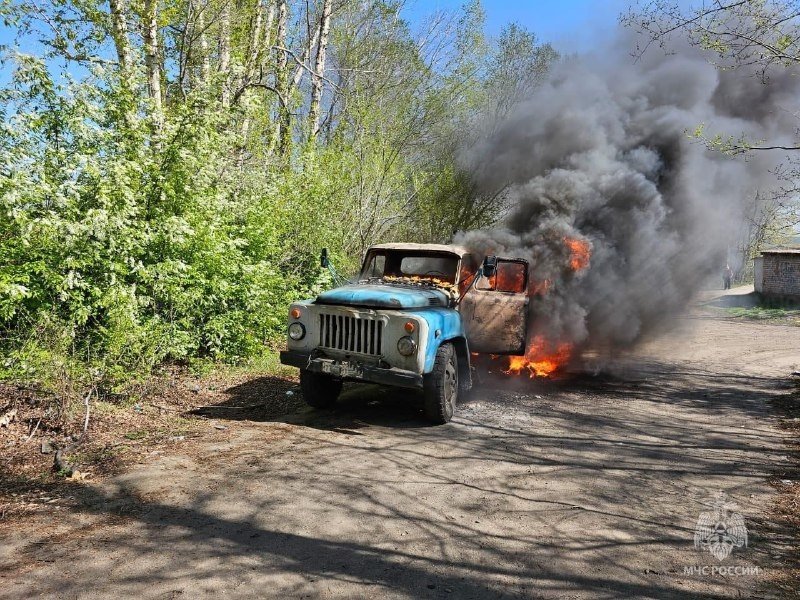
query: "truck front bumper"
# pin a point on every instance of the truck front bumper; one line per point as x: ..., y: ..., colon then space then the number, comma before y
x: 352, y: 370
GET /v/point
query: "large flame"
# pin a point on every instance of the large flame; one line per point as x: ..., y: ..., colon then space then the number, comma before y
x: 580, y: 252
x: 541, y: 359
x: 544, y: 357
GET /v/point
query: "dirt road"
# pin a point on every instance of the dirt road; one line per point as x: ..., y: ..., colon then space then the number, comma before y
x: 584, y: 488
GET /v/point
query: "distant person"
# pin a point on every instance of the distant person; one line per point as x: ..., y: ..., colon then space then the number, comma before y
x: 727, y: 276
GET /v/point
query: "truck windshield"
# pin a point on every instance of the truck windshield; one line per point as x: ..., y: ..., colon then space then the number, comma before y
x: 410, y: 264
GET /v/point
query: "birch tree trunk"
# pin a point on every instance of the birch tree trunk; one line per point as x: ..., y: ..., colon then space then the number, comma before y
x: 259, y: 44
x: 151, y: 59
x: 255, y: 41
x: 225, y: 51
x: 302, y: 67
x: 319, y: 69
x: 185, y: 49
x: 282, y: 80
x: 205, y: 65
x: 119, y: 33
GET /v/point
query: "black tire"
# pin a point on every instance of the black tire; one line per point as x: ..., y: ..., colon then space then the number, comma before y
x: 440, y: 386
x: 319, y: 389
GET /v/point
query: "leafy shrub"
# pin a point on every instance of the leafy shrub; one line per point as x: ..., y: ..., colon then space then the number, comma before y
x: 124, y: 249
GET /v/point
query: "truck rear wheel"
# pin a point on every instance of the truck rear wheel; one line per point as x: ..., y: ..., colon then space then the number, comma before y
x: 440, y: 386
x: 319, y: 389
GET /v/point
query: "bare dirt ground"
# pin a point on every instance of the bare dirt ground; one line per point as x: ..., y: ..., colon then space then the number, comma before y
x: 587, y: 487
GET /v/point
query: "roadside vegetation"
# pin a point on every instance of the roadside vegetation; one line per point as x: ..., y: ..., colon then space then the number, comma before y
x: 787, y: 316
x: 170, y: 170
x: 783, y: 316
x: 751, y: 307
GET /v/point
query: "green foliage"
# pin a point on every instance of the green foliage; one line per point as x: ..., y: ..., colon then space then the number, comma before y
x: 760, y: 313
x: 122, y: 251
x: 137, y: 229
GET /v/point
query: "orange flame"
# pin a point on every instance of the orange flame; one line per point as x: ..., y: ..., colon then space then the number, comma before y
x: 509, y: 277
x: 580, y: 252
x: 540, y: 360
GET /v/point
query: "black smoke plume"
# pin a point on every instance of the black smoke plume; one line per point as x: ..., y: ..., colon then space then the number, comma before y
x: 603, y: 153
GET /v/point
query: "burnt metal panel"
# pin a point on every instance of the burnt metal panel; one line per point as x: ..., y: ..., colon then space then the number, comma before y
x: 495, y: 322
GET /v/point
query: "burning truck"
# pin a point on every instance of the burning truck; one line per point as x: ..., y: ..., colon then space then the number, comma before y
x: 414, y: 318
x: 621, y: 215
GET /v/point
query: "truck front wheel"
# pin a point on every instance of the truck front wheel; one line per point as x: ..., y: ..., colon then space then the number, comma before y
x: 319, y: 389
x: 440, y: 386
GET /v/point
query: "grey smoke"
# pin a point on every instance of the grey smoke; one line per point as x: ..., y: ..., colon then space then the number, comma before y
x: 600, y: 152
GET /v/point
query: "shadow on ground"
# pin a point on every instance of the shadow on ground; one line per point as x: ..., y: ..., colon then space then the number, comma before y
x: 613, y: 458
x: 750, y: 300
x: 226, y: 544
x: 272, y: 399
x: 259, y: 399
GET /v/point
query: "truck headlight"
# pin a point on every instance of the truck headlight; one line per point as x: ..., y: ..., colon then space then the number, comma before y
x: 406, y: 346
x: 297, y: 331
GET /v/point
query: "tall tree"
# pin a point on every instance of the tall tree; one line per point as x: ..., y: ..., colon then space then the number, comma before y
x: 205, y: 61
x: 225, y: 51
x: 282, y: 79
x: 260, y: 43
x: 119, y: 33
x: 256, y: 38
x: 151, y: 56
x: 318, y: 75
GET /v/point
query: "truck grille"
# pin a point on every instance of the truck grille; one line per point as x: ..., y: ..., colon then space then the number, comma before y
x: 351, y: 334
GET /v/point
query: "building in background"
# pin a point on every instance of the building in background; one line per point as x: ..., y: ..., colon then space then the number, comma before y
x: 777, y: 273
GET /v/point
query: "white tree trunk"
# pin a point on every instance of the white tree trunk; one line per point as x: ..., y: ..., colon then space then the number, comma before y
x: 205, y: 64
x: 282, y: 80
x: 225, y: 51
x: 260, y: 43
x: 319, y: 68
x: 255, y: 41
x: 151, y: 58
x: 303, y: 66
x: 119, y: 33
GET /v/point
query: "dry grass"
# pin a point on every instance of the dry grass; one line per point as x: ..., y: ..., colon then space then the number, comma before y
x: 169, y: 409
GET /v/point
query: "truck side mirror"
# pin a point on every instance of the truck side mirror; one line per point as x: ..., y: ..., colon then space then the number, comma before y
x: 489, y: 266
x: 324, y: 261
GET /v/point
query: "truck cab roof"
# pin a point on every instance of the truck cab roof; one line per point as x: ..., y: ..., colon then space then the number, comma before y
x: 451, y: 248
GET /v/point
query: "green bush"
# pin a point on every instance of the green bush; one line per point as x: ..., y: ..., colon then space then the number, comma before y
x: 124, y: 249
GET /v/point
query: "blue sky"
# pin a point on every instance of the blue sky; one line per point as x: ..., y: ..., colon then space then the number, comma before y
x: 570, y: 25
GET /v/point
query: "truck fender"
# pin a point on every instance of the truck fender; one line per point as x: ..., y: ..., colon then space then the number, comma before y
x: 463, y: 356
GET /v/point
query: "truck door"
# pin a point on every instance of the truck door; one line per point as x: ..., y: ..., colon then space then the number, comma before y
x: 495, y: 311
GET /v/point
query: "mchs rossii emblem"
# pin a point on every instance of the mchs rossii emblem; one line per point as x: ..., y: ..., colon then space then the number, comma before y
x: 720, y: 530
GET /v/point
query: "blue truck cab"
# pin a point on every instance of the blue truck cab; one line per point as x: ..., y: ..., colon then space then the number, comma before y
x: 411, y: 319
